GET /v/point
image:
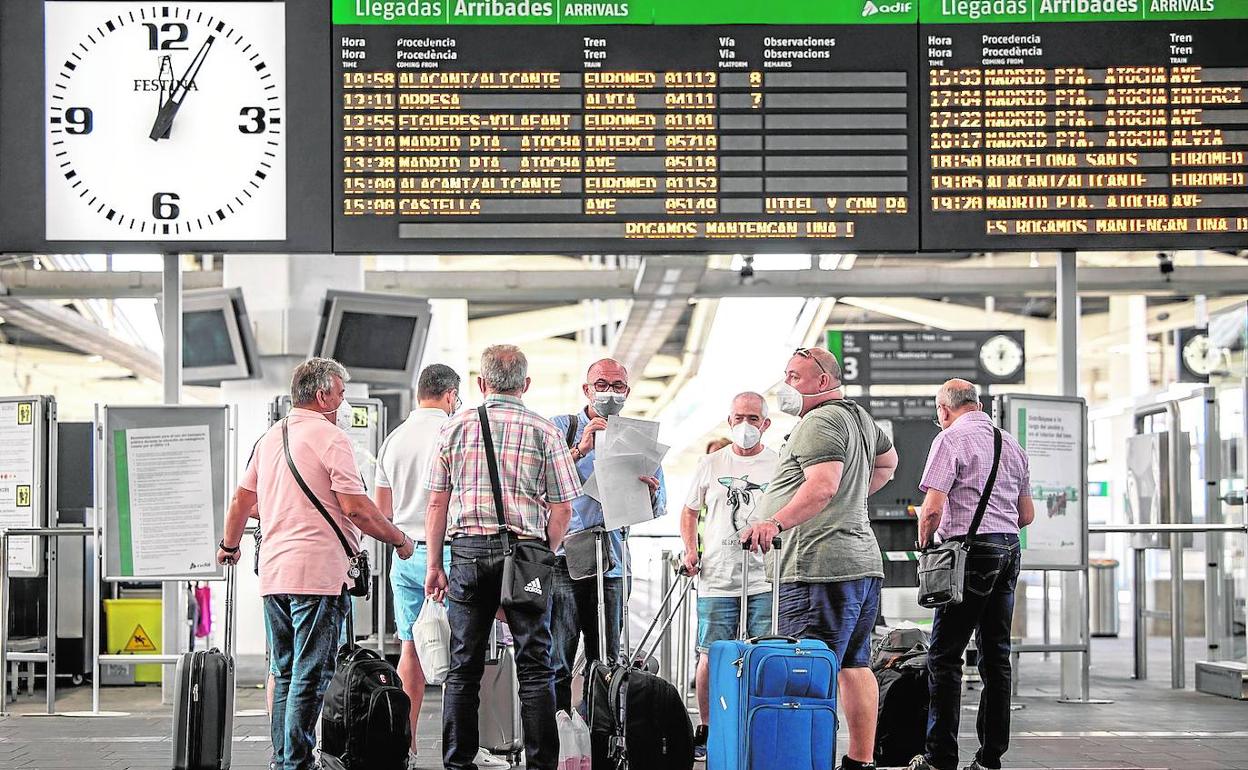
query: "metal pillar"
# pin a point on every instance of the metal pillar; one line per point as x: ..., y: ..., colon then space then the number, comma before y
x: 1074, y: 617
x: 1139, y: 612
x: 171, y: 381
x: 1217, y: 622
x: 1178, y: 657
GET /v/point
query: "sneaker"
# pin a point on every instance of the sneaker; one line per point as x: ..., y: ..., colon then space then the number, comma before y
x: 484, y: 760
x: 412, y: 762
x: 699, y: 743
x: 976, y: 766
x: 919, y: 763
x: 853, y: 764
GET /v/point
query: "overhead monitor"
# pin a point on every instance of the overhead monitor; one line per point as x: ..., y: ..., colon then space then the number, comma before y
x: 379, y: 338
x: 217, y: 343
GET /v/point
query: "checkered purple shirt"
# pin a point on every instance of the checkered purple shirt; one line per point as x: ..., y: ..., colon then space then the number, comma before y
x: 958, y: 465
x: 534, y: 466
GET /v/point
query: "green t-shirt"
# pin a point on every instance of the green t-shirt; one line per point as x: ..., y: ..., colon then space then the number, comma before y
x: 837, y: 544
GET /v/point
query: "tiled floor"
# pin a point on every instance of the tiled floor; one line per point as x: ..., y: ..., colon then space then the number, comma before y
x: 1147, y: 726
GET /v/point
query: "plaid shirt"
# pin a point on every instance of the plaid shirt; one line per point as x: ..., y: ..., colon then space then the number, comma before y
x: 534, y: 466
x: 958, y: 465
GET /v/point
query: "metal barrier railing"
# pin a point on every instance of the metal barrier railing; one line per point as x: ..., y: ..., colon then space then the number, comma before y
x: 48, y: 658
x: 1140, y: 613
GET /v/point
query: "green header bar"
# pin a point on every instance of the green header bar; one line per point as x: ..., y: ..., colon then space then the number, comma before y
x: 1044, y: 11
x: 125, y: 539
x: 667, y: 12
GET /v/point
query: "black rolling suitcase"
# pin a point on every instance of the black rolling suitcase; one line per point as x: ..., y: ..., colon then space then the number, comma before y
x: 637, y: 720
x: 203, y: 700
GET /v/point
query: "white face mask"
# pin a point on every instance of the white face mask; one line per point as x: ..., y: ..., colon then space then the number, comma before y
x: 608, y: 403
x: 342, y: 415
x: 790, y: 399
x: 745, y: 435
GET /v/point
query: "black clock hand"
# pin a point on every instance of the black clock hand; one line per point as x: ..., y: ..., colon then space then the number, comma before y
x: 165, y: 78
x: 169, y: 110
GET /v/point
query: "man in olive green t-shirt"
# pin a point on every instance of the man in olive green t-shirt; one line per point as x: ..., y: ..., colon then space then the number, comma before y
x: 830, y: 567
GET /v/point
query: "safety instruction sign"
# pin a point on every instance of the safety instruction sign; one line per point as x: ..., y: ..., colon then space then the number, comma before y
x: 139, y: 642
x: 18, y: 465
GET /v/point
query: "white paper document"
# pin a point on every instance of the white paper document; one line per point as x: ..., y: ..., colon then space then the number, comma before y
x: 624, y: 496
x: 170, y: 501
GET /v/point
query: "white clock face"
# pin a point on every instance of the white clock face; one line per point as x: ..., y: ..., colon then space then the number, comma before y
x: 207, y: 80
x: 1199, y: 355
x: 1001, y: 356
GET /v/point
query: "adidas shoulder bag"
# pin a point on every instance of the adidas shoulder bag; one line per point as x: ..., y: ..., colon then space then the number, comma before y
x: 528, y: 566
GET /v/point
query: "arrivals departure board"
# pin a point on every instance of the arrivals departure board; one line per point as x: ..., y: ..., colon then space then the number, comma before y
x: 1084, y: 123
x: 668, y: 126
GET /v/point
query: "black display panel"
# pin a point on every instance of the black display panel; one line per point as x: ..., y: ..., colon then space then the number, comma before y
x: 206, y: 339
x: 1104, y: 135
x: 374, y: 341
x: 665, y: 138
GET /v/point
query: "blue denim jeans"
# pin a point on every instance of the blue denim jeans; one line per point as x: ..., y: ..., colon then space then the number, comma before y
x: 986, y: 610
x: 573, y: 613
x: 474, y: 585
x: 719, y: 619
x: 304, y: 633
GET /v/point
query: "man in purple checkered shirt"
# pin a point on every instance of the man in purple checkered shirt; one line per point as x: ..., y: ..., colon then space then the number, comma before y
x: 958, y: 467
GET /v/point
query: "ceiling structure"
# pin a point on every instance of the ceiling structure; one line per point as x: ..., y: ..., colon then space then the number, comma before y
x: 657, y: 313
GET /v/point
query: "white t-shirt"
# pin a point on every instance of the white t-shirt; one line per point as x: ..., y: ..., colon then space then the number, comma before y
x: 730, y: 486
x: 403, y: 465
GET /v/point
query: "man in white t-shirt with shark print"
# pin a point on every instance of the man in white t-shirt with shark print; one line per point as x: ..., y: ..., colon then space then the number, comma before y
x: 729, y: 483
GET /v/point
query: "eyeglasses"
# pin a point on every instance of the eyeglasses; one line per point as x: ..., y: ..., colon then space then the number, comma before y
x: 809, y: 353
x: 602, y: 386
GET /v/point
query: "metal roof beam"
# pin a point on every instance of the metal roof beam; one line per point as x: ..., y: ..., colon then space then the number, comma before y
x: 72, y: 330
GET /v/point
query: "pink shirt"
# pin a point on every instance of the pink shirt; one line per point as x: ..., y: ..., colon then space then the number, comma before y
x: 300, y: 554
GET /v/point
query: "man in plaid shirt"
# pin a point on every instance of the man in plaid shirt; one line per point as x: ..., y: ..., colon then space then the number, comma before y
x: 959, y: 465
x: 538, y: 483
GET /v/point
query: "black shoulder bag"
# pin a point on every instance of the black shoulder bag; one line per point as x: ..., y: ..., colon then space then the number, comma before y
x: 528, y: 569
x: 942, y: 568
x: 357, y: 569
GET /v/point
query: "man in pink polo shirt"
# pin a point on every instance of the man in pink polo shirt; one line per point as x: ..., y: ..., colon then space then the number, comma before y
x: 303, y: 566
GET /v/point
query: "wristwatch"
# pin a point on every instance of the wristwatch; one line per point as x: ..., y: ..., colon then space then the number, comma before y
x: 227, y: 549
x: 403, y: 542
x: 772, y: 521
x: 576, y: 454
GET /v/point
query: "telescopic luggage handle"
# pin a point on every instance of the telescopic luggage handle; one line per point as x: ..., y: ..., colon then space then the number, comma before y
x: 742, y: 625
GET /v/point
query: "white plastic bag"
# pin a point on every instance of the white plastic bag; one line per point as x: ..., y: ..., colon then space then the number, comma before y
x: 569, y: 744
x: 584, y: 744
x: 432, y: 635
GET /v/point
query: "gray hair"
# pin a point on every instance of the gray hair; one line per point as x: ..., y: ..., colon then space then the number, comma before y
x: 504, y: 368
x: 435, y: 381
x: 751, y: 394
x: 316, y: 375
x: 956, y: 395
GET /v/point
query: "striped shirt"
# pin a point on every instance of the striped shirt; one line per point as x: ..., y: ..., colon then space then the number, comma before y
x: 534, y: 465
x: 959, y: 463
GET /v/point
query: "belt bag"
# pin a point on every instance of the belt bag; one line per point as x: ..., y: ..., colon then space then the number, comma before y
x: 528, y: 567
x: 942, y: 568
x: 359, y: 574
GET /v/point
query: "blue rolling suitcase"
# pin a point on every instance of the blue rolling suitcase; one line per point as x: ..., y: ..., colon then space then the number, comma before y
x: 773, y: 699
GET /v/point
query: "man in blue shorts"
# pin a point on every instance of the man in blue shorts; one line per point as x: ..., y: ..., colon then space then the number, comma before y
x: 402, y: 465
x: 729, y: 484
x: 830, y: 568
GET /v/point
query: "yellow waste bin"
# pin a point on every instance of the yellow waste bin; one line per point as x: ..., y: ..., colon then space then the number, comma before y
x: 134, y: 629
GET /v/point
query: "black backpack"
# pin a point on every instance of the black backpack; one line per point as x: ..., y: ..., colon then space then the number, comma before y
x: 901, y: 730
x: 637, y: 720
x: 365, y: 721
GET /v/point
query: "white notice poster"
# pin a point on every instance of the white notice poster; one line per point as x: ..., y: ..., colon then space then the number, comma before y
x: 17, y: 480
x: 165, y: 502
x: 1052, y: 434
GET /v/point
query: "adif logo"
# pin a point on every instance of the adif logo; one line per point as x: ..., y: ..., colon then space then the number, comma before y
x: 871, y: 9
x: 534, y: 587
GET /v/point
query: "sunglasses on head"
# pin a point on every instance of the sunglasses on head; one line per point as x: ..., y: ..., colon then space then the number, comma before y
x: 809, y: 353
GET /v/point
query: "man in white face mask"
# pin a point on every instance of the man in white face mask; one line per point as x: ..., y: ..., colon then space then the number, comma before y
x: 574, y: 607
x: 729, y: 485
x: 830, y: 568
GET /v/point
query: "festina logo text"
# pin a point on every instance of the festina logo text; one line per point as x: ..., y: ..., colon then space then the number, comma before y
x: 160, y: 85
x: 534, y: 586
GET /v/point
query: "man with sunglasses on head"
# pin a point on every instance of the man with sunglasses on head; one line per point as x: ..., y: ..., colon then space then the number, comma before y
x: 574, y: 609
x: 729, y: 484
x: 830, y: 567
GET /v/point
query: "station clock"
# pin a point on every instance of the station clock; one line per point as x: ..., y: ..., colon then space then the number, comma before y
x: 165, y: 121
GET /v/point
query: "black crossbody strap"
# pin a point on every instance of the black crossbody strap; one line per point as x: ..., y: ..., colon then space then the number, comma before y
x: 992, y: 482
x: 496, y: 484
x: 574, y: 422
x: 290, y: 462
